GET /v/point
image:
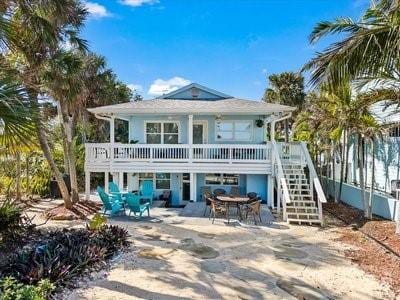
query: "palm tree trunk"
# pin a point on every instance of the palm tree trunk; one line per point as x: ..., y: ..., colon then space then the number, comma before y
x: 18, y: 176
x: 371, y: 191
x: 333, y: 172
x: 67, y: 123
x: 286, y: 130
x: 346, y: 174
x: 361, y: 173
x: 27, y: 182
x: 63, y: 138
x: 44, y: 145
x: 342, y: 164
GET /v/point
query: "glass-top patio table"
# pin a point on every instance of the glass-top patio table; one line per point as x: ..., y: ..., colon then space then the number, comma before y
x: 233, y: 201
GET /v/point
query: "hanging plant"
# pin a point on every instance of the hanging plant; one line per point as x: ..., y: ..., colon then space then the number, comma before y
x: 259, y: 123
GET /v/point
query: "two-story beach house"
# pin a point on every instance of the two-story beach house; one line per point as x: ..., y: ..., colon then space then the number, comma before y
x: 195, y: 137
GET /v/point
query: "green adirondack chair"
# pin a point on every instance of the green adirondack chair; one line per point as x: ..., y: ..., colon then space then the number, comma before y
x: 146, y: 191
x: 110, y: 203
x: 133, y: 203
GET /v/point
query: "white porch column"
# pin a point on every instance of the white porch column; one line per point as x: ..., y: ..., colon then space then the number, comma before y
x: 193, y: 192
x: 190, y: 138
x: 270, y: 200
x: 272, y: 135
x: 121, y: 181
x: 106, y: 180
x: 87, y: 185
x: 112, y: 130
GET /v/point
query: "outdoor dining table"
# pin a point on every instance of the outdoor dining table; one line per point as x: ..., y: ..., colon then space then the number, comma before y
x: 233, y: 201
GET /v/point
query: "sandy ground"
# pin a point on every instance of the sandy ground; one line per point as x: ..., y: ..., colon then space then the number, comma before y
x: 181, y: 257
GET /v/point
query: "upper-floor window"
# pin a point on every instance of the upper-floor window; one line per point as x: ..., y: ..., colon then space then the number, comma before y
x: 162, y: 132
x: 234, y: 130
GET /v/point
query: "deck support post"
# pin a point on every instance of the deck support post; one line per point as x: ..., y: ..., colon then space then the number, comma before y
x: 106, y: 180
x: 87, y: 185
x: 270, y: 200
x: 112, y: 130
x: 193, y: 187
x: 272, y: 135
x: 190, y: 137
x: 121, y: 181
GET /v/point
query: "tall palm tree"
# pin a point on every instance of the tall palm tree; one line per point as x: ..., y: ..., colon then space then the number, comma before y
x: 367, y: 48
x: 34, y: 31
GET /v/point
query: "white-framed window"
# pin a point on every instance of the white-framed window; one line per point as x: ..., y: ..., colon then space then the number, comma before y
x: 162, y: 132
x: 394, y: 131
x: 222, y: 179
x: 161, y: 181
x: 234, y: 130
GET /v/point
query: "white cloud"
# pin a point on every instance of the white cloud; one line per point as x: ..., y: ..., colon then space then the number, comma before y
x: 136, y: 3
x: 135, y: 87
x: 161, y: 86
x: 96, y: 10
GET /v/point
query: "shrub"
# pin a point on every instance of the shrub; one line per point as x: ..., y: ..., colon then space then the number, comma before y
x: 10, y: 219
x: 11, y: 289
x: 64, y: 254
x: 97, y: 222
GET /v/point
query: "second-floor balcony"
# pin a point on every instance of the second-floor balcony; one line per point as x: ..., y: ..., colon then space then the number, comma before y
x: 123, y: 155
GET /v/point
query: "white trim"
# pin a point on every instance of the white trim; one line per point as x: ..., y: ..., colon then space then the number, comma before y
x: 205, y: 129
x: 162, y: 129
x: 222, y: 179
x: 200, y: 87
x: 233, y: 131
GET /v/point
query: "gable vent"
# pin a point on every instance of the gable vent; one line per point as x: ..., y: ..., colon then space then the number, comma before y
x: 195, y: 92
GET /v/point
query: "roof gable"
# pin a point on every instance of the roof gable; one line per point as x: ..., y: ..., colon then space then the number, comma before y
x: 195, y: 91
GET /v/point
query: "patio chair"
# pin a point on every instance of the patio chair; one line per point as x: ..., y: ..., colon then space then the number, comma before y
x: 217, y: 208
x: 166, y: 196
x: 253, y: 197
x: 133, y: 203
x: 235, y: 191
x: 254, y: 208
x: 207, y: 196
x: 110, y: 203
x: 146, y: 191
x: 219, y: 192
x: 114, y: 190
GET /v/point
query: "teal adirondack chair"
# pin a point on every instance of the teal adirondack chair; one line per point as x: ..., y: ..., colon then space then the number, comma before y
x: 146, y: 191
x: 114, y: 190
x: 133, y: 203
x: 110, y: 203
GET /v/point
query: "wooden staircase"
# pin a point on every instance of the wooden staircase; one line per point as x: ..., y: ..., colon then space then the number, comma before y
x: 299, y: 193
x: 302, y: 208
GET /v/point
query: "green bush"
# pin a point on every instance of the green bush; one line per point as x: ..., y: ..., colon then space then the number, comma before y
x: 64, y: 254
x: 10, y: 220
x: 11, y: 289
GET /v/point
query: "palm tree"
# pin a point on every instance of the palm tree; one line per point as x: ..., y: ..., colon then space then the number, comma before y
x: 368, y: 48
x: 34, y: 31
x: 287, y: 89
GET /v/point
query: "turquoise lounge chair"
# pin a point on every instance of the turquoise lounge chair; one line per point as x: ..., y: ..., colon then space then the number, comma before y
x: 146, y: 191
x: 114, y: 190
x: 133, y: 203
x: 110, y: 203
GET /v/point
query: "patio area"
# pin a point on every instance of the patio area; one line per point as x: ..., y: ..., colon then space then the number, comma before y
x: 180, y: 254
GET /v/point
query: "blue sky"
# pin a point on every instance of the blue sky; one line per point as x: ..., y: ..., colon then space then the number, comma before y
x: 227, y: 45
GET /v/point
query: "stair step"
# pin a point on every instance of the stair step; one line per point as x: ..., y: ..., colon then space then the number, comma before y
x: 299, y: 221
x: 301, y: 209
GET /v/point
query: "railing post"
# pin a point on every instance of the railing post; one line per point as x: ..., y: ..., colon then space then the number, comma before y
x: 151, y: 153
x: 190, y: 137
x: 231, y: 155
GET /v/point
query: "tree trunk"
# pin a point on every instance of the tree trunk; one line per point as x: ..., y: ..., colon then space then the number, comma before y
x: 334, y: 171
x: 286, y: 130
x: 44, y: 145
x: 67, y: 123
x: 361, y: 173
x: 63, y: 138
x: 342, y: 164
x: 27, y: 182
x: 346, y: 174
x: 18, y: 177
x: 371, y: 191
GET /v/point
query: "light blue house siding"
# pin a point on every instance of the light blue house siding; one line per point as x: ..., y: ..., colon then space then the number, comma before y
x: 137, y: 127
x: 382, y: 205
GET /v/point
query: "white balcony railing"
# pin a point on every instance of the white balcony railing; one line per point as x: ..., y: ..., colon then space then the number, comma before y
x: 222, y: 153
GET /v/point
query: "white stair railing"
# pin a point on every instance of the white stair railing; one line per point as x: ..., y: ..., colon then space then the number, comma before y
x: 314, y: 181
x: 283, y: 190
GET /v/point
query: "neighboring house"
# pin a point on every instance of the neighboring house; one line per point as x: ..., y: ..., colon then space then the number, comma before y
x: 195, y: 137
x: 387, y: 165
